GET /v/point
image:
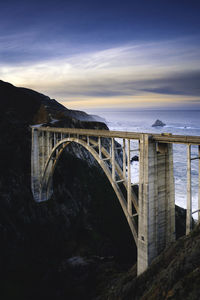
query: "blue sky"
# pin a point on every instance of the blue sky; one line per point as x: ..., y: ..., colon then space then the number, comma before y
x: 104, y: 54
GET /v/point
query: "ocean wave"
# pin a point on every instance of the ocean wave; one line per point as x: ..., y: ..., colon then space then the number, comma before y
x: 182, y: 127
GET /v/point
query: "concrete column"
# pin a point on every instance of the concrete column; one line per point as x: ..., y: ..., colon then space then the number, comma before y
x: 124, y: 159
x: 156, y: 200
x: 129, y: 202
x: 99, y: 144
x: 38, y: 162
x: 41, y: 149
x: 113, y: 158
x: 35, y: 166
x: 48, y: 143
x: 54, y: 139
x: 170, y: 196
x: 46, y: 181
x: 189, y: 192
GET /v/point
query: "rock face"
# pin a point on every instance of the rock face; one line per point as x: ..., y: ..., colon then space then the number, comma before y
x: 175, y: 274
x: 158, y: 123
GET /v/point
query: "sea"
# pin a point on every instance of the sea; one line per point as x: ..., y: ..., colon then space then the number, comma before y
x: 181, y: 122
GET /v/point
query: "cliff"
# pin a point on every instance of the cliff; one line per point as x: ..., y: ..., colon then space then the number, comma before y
x: 35, y: 108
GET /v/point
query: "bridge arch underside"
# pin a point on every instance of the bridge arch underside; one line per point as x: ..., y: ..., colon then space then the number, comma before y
x: 106, y: 165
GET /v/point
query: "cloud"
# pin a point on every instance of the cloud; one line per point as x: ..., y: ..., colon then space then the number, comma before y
x: 27, y: 48
x: 180, y: 83
x: 136, y: 70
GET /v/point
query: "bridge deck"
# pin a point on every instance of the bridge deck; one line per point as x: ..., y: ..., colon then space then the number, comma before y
x: 161, y: 138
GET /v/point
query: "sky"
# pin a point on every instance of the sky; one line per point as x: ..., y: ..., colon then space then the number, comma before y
x: 96, y: 55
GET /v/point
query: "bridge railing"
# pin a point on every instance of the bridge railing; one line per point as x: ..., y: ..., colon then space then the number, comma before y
x: 161, y: 138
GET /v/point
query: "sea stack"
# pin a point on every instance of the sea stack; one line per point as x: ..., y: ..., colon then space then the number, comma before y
x: 158, y: 123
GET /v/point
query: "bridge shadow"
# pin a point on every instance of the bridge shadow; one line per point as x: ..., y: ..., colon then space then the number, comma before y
x: 97, y: 225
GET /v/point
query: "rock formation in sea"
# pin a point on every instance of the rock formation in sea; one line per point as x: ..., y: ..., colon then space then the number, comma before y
x: 158, y: 123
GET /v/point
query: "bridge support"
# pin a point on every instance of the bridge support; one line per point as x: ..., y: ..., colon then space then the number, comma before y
x: 41, y: 148
x: 156, y: 200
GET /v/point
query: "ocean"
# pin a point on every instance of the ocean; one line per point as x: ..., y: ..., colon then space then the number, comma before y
x: 177, y: 122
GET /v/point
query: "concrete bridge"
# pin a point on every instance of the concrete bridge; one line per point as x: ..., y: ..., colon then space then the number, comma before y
x: 151, y: 213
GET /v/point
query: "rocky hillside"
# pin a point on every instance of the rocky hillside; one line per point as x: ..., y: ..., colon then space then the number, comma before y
x: 78, y: 243
x: 36, y: 108
x: 175, y: 274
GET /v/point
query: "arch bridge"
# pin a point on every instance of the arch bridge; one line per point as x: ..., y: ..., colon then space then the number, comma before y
x: 151, y: 213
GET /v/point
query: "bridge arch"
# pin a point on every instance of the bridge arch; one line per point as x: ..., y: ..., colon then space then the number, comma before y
x: 52, y: 160
x: 155, y: 209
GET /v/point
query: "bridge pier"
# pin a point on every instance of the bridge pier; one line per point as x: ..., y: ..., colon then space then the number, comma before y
x: 156, y: 200
x: 41, y: 148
